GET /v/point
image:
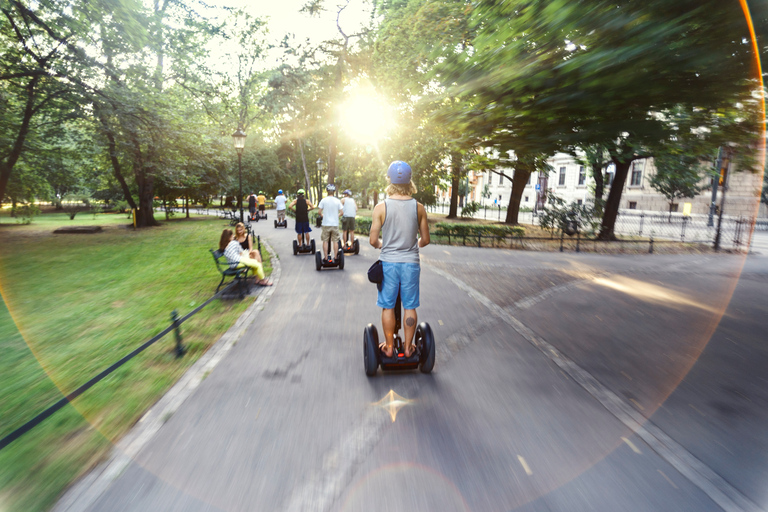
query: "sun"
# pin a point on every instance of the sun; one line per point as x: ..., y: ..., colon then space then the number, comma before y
x: 365, y: 117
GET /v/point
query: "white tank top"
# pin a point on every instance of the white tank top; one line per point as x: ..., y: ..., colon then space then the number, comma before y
x: 400, y: 231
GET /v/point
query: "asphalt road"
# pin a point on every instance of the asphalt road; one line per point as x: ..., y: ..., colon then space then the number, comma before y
x: 563, y: 382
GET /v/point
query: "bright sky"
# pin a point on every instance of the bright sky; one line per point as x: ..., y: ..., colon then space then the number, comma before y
x: 285, y: 17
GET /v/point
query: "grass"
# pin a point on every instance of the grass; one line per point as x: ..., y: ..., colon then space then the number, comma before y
x: 74, y: 304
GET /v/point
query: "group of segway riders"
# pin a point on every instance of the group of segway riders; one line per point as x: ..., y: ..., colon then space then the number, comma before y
x: 402, y: 223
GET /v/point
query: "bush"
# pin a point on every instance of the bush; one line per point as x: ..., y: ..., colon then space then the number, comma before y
x: 73, y: 203
x: 470, y: 209
x: 568, y: 219
x: 499, y: 233
x: 25, y: 214
x: 363, y: 225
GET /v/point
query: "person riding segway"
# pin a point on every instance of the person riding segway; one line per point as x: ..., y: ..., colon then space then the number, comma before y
x: 302, y: 207
x: 330, y: 208
x: 262, y: 200
x: 252, y: 206
x: 405, y: 230
x: 280, y: 207
x: 350, y: 243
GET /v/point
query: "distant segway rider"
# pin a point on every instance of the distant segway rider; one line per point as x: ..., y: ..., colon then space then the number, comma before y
x: 302, y: 207
x: 262, y: 199
x: 348, y: 219
x: 252, y: 204
x: 280, y: 206
x: 405, y: 230
x: 330, y: 209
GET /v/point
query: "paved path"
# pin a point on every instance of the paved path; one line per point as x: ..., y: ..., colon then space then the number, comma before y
x: 548, y: 368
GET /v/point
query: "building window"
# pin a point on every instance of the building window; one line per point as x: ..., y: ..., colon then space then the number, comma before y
x: 579, y: 202
x: 608, y: 180
x: 582, y: 175
x: 633, y: 205
x: 637, y: 174
x: 526, y: 199
x: 673, y: 208
x: 501, y: 179
x: 562, y: 176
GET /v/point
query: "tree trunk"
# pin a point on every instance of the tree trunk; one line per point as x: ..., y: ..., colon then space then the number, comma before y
x: 597, y: 174
x: 455, y: 178
x: 186, y: 201
x: 614, y: 200
x: 304, y: 166
x: 6, y: 167
x: 519, y: 181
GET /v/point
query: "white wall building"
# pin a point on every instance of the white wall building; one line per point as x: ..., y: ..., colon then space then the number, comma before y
x: 572, y: 182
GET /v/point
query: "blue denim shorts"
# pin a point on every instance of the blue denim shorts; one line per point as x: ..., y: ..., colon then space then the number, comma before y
x: 403, y: 277
x: 302, y: 227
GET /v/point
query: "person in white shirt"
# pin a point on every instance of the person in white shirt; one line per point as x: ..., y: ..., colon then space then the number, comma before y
x: 348, y: 219
x: 280, y: 205
x: 330, y: 208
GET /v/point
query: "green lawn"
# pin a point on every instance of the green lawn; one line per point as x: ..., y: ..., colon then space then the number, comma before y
x: 74, y: 304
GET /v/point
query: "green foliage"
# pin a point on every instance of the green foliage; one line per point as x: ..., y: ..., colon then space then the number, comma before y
x: 459, y: 229
x: 363, y: 225
x: 470, y: 209
x: 74, y: 203
x: 27, y: 212
x: 568, y: 218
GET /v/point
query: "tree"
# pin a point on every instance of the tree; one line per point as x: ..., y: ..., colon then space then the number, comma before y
x: 600, y: 73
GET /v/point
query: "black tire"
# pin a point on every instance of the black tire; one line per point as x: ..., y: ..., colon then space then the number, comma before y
x: 312, y: 245
x: 295, y: 248
x: 318, y: 261
x: 275, y: 224
x: 425, y: 340
x: 356, y: 244
x: 265, y: 216
x: 370, y: 349
x: 341, y: 260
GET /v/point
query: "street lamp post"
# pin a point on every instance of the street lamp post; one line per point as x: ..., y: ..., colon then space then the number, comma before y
x: 239, y: 138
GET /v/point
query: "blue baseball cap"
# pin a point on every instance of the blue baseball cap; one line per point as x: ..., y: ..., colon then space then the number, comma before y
x: 280, y: 191
x: 399, y: 172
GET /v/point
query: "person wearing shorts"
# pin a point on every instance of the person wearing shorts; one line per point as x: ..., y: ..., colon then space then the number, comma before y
x: 405, y: 230
x: 330, y: 208
x: 262, y: 199
x: 302, y: 207
x: 348, y: 219
x: 252, y: 204
x: 280, y: 206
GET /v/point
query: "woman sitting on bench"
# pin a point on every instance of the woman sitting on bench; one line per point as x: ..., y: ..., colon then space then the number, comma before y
x: 241, y: 235
x: 239, y: 258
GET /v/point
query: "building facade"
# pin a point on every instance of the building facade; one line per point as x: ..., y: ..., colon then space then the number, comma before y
x: 572, y: 182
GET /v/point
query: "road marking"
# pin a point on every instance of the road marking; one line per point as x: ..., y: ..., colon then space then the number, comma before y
x: 695, y: 409
x: 627, y: 376
x: 525, y: 465
x: 440, y: 322
x: 631, y: 445
x: 699, y: 474
x: 637, y: 404
x: 667, y: 478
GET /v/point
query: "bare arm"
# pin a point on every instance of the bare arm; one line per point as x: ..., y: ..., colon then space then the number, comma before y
x: 423, y: 225
x: 376, y: 222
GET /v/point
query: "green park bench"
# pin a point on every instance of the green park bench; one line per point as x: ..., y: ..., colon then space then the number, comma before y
x: 238, y: 275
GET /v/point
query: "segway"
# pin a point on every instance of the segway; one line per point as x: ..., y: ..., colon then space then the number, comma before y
x: 320, y: 263
x: 353, y: 248
x: 283, y: 224
x: 260, y: 216
x: 423, y: 358
x: 303, y: 248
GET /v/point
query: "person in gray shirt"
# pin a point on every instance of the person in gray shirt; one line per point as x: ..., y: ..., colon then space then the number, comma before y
x: 403, y: 223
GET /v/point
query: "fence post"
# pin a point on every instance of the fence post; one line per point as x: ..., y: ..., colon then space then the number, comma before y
x: 642, y: 217
x: 499, y: 212
x: 176, y: 330
x: 561, y: 241
x: 478, y: 239
x: 650, y: 247
x: 682, y: 230
x: 578, y: 240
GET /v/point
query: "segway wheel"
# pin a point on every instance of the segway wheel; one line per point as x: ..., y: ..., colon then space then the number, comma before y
x: 295, y: 248
x: 370, y: 348
x: 318, y: 261
x: 340, y: 255
x: 312, y: 245
x: 425, y: 341
x: 265, y: 216
x: 356, y: 244
x: 275, y: 224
